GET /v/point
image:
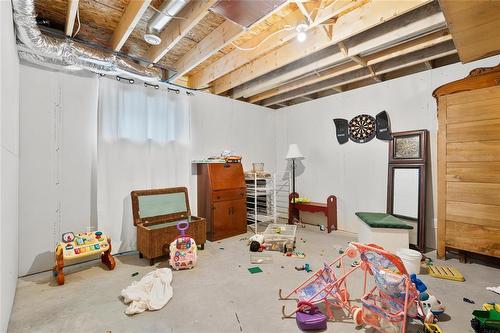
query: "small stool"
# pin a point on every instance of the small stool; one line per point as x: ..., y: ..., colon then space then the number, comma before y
x: 384, y: 230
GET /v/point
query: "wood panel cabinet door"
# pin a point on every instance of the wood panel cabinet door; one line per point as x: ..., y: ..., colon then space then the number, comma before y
x: 239, y: 214
x: 222, y: 219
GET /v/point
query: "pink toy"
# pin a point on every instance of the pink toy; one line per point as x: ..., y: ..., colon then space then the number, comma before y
x: 325, y: 286
x: 394, y: 297
x: 183, y: 249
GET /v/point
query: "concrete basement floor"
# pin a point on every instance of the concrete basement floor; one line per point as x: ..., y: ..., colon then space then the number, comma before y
x: 207, y: 298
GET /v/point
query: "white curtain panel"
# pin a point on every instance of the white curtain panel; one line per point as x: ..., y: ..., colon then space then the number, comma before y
x: 143, y: 143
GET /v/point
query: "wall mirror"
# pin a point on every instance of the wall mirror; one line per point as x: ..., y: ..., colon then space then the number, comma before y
x: 406, y: 186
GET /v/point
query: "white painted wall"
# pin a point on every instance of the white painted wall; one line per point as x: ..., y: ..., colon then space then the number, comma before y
x: 58, y: 135
x: 9, y: 162
x: 357, y: 173
x: 220, y: 123
x: 217, y: 123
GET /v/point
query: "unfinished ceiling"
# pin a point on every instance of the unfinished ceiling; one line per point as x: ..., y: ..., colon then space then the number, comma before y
x: 349, y: 43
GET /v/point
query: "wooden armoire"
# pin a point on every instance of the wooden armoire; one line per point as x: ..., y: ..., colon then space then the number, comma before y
x: 222, y: 199
x: 469, y: 163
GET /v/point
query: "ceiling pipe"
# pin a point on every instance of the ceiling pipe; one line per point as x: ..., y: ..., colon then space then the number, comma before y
x: 161, y: 18
x: 70, y: 54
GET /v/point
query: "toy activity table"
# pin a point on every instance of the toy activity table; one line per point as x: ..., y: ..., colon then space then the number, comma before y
x: 79, y: 246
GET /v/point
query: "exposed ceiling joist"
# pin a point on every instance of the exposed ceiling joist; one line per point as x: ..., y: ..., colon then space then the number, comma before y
x: 359, y: 20
x: 389, y: 34
x: 222, y: 36
x: 192, y: 14
x: 70, y: 17
x: 128, y: 21
x: 475, y: 27
x: 238, y: 58
x: 411, y: 59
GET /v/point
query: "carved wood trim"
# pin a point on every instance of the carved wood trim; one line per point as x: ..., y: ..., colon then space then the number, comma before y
x: 478, y: 78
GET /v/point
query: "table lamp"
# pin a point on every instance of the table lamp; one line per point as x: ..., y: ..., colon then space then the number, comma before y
x: 294, y: 154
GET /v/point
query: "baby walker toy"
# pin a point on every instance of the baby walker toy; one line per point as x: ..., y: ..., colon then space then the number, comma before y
x: 183, y: 249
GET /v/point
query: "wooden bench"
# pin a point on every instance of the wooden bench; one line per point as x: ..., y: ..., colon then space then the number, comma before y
x: 329, y: 209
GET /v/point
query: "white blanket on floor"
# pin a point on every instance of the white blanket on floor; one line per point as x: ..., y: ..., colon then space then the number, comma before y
x: 152, y: 292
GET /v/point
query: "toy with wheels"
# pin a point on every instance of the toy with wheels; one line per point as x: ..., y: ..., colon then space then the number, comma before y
x: 82, y: 245
x: 183, y: 249
x: 486, y: 320
x: 432, y: 328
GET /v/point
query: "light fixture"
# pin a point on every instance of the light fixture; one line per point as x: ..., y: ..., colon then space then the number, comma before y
x: 294, y: 154
x: 301, y: 32
x: 152, y: 37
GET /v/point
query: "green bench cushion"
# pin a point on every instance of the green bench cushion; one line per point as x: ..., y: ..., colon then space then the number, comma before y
x: 382, y: 220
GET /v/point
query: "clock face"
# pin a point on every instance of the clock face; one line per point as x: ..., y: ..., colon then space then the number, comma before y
x: 407, y: 147
x: 362, y: 128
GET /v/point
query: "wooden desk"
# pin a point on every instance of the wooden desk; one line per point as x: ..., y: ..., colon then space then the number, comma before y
x: 329, y: 209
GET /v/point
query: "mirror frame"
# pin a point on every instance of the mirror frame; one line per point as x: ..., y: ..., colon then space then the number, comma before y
x: 418, y: 162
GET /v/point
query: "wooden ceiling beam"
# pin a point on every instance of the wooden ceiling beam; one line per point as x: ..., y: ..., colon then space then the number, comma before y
x: 390, y: 65
x: 131, y: 16
x: 363, y: 18
x: 192, y: 14
x: 475, y: 27
x: 70, y: 17
x: 238, y: 58
x: 419, y: 22
x: 222, y: 36
x: 389, y: 53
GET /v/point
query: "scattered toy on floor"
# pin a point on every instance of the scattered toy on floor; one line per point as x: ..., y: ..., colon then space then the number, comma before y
x: 135, y: 274
x: 432, y: 328
x: 486, y: 320
x: 321, y: 227
x: 309, y: 318
x: 421, y: 287
x: 445, y: 272
x: 183, y: 250
x: 254, y: 270
x: 221, y: 248
x: 299, y: 268
x: 466, y: 300
x: 354, y: 263
x: 432, y: 304
x: 307, y: 268
x: 254, y: 246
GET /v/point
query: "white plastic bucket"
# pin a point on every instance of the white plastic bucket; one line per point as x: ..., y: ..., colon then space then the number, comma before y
x: 411, y: 260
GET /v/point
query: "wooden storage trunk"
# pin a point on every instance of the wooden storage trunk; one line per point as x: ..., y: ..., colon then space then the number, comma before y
x: 156, y: 214
x: 469, y: 164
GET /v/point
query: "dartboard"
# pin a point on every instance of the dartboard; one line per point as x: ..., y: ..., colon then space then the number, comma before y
x: 362, y: 128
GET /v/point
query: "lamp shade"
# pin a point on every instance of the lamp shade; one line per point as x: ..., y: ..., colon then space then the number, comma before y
x: 294, y: 152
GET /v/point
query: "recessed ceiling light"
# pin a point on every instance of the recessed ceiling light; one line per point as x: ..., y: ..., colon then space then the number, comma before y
x: 152, y: 38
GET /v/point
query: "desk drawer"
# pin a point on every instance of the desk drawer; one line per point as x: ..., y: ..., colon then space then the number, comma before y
x: 228, y: 195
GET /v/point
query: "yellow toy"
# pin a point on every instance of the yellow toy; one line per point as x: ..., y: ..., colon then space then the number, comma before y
x: 445, y: 272
x: 79, y: 246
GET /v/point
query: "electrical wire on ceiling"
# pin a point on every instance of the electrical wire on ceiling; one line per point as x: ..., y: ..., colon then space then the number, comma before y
x: 285, y: 28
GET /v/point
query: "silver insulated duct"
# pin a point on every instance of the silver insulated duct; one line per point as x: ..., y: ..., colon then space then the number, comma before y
x: 65, y: 53
x: 166, y: 12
